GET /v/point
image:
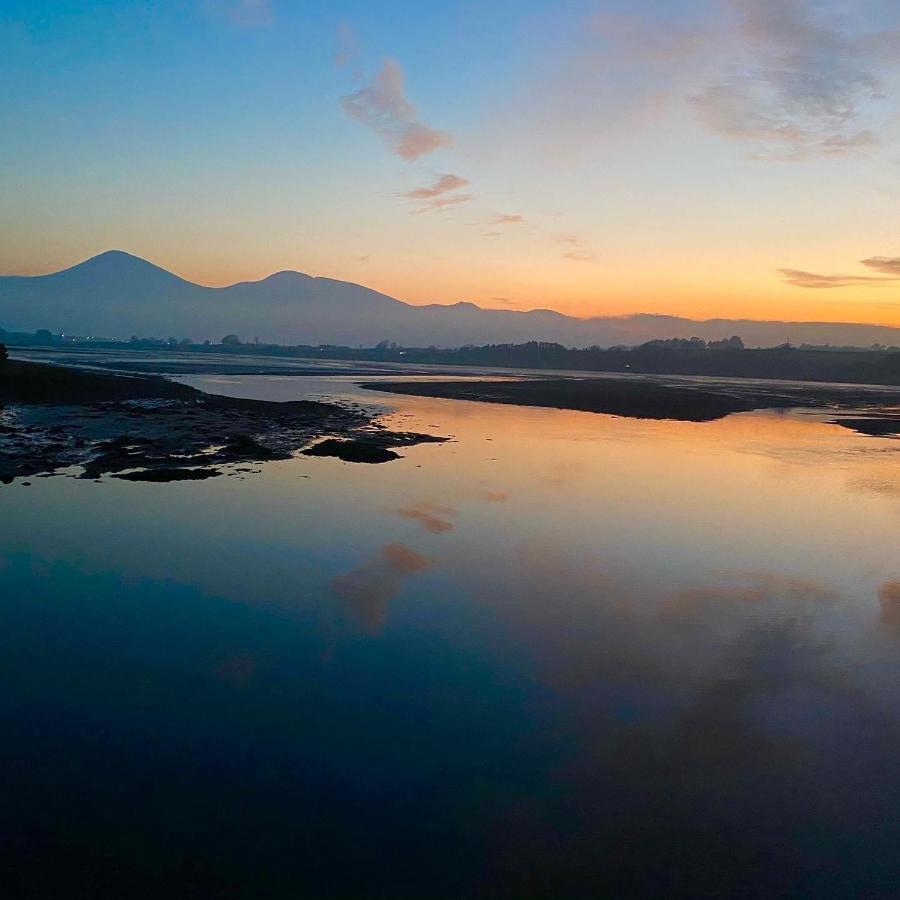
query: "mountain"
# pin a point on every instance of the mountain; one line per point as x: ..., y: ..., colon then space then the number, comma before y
x: 116, y: 294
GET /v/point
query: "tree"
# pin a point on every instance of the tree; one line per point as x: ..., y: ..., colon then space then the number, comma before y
x: 732, y: 343
x: 231, y: 340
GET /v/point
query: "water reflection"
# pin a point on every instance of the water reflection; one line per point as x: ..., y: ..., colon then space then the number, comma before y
x: 433, y: 517
x: 655, y: 659
x: 889, y: 596
x: 752, y: 587
x: 366, y: 590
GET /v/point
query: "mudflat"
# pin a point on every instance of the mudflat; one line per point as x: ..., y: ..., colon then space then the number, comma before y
x: 146, y: 428
x: 875, y: 411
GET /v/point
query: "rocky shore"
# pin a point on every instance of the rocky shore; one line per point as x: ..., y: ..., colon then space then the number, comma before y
x: 56, y: 420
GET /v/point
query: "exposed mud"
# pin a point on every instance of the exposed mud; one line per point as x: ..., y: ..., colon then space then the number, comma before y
x: 150, y: 429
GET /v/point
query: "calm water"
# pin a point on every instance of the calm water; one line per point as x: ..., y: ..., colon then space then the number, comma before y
x: 565, y: 655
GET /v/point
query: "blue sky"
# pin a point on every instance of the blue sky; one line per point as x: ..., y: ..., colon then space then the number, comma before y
x: 597, y: 157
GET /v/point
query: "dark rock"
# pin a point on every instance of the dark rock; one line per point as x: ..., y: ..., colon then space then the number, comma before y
x: 244, y: 448
x: 874, y: 426
x: 176, y: 430
x: 352, y: 451
x: 165, y: 474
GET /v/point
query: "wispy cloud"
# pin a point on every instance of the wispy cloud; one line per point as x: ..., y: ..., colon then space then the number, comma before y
x: 888, y: 264
x: 441, y: 185
x: 801, y: 86
x: 243, y: 13
x: 508, y: 219
x: 440, y: 193
x: 574, y: 249
x: 347, y: 50
x: 382, y: 105
x: 799, y: 278
x: 577, y: 255
x: 444, y: 202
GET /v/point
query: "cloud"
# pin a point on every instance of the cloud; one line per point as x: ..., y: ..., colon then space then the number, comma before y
x: 888, y: 264
x: 492, y: 234
x: 799, y: 278
x: 575, y: 251
x: 243, y: 13
x: 347, y: 50
x: 579, y: 255
x: 508, y: 219
x: 432, y: 517
x: 635, y: 39
x: 366, y: 590
x: 799, y: 89
x: 444, y: 202
x: 441, y: 185
x: 620, y: 71
x: 382, y: 105
x: 434, y: 195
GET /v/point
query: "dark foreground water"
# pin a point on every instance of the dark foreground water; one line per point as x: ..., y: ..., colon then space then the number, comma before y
x: 564, y: 656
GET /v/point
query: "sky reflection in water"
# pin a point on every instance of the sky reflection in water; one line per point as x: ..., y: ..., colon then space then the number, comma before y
x: 563, y: 655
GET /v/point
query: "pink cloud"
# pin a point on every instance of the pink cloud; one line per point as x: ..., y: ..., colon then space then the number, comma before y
x: 383, y: 106
x: 442, y: 185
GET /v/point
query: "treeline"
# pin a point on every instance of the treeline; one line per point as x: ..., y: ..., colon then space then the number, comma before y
x: 664, y: 358
x: 678, y: 356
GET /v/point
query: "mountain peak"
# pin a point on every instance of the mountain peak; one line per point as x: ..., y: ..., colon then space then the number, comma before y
x: 116, y: 258
x: 117, y: 263
x: 285, y: 276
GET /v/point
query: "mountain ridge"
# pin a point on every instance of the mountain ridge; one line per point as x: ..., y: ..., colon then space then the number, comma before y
x: 116, y: 294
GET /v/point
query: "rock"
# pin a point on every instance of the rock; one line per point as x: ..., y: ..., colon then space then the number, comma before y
x: 163, y: 475
x: 351, y: 451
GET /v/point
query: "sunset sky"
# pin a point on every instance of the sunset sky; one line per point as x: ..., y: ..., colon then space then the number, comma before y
x: 734, y: 158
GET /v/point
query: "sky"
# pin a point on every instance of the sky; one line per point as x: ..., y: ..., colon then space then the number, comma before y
x: 705, y: 158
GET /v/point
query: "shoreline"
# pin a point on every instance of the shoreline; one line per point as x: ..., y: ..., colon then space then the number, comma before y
x: 147, y: 428
x: 868, y: 411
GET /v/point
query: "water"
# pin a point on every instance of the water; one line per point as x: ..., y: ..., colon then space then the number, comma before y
x: 564, y: 655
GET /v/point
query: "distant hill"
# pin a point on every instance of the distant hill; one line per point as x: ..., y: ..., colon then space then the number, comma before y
x: 116, y: 295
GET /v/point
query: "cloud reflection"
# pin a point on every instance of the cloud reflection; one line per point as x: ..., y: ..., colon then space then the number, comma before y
x: 670, y: 729
x: 748, y: 587
x: 889, y: 597
x: 433, y: 517
x: 366, y: 590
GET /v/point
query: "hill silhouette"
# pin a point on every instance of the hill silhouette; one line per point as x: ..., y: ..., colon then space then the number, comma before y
x: 116, y: 294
